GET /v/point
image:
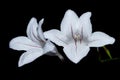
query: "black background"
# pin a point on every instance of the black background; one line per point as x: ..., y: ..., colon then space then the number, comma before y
x: 16, y: 15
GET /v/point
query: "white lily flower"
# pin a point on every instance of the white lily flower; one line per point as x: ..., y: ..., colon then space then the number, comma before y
x: 76, y: 36
x: 35, y: 44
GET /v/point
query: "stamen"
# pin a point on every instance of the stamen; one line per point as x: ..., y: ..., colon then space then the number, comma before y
x: 77, y: 36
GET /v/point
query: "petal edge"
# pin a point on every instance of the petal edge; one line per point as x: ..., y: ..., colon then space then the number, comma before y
x: 99, y: 39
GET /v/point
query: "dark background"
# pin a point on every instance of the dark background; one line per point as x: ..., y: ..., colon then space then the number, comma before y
x: 16, y: 15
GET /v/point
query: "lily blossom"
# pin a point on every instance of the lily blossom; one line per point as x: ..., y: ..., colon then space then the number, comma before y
x: 76, y: 36
x: 34, y: 44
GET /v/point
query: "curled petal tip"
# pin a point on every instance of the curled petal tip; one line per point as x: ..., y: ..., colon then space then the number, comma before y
x: 20, y: 64
x: 41, y: 21
x: 88, y: 14
x: 112, y: 40
x: 69, y: 11
x: 76, y: 62
x: 33, y: 19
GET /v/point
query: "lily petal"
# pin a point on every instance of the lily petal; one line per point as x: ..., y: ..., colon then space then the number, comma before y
x: 76, y: 51
x: 99, y: 39
x: 56, y: 36
x: 49, y: 47
x: 69, y: 22
x: 40, y: 32
x: 51, y: 50
x: 32, y: 30
x: 29, y: 56
x: 84, y: 25
x: 22, y: 43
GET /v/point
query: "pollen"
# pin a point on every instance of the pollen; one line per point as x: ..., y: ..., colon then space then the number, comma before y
x: 77, y: 36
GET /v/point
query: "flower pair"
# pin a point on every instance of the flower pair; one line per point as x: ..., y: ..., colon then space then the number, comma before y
x: 75, y: 36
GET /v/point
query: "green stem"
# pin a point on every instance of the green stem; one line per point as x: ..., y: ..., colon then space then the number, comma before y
x: 106, y: 60
x: 107, y: 51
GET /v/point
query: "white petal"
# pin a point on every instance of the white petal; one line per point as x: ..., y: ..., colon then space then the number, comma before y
x: 51, y: 50
x: 99, y: 39
x: 56, y: 36
x: 29, y: 56
x: 84, y: 25
x: 69, y: 22
x: 76, y: 51
x: 22, y: 43
x: 32, y: 30
x: 49, y: 47
x: 40, y: 32
x: 32, y: 22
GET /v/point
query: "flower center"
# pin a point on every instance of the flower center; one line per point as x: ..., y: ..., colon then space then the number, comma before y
x: 77, y: 36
